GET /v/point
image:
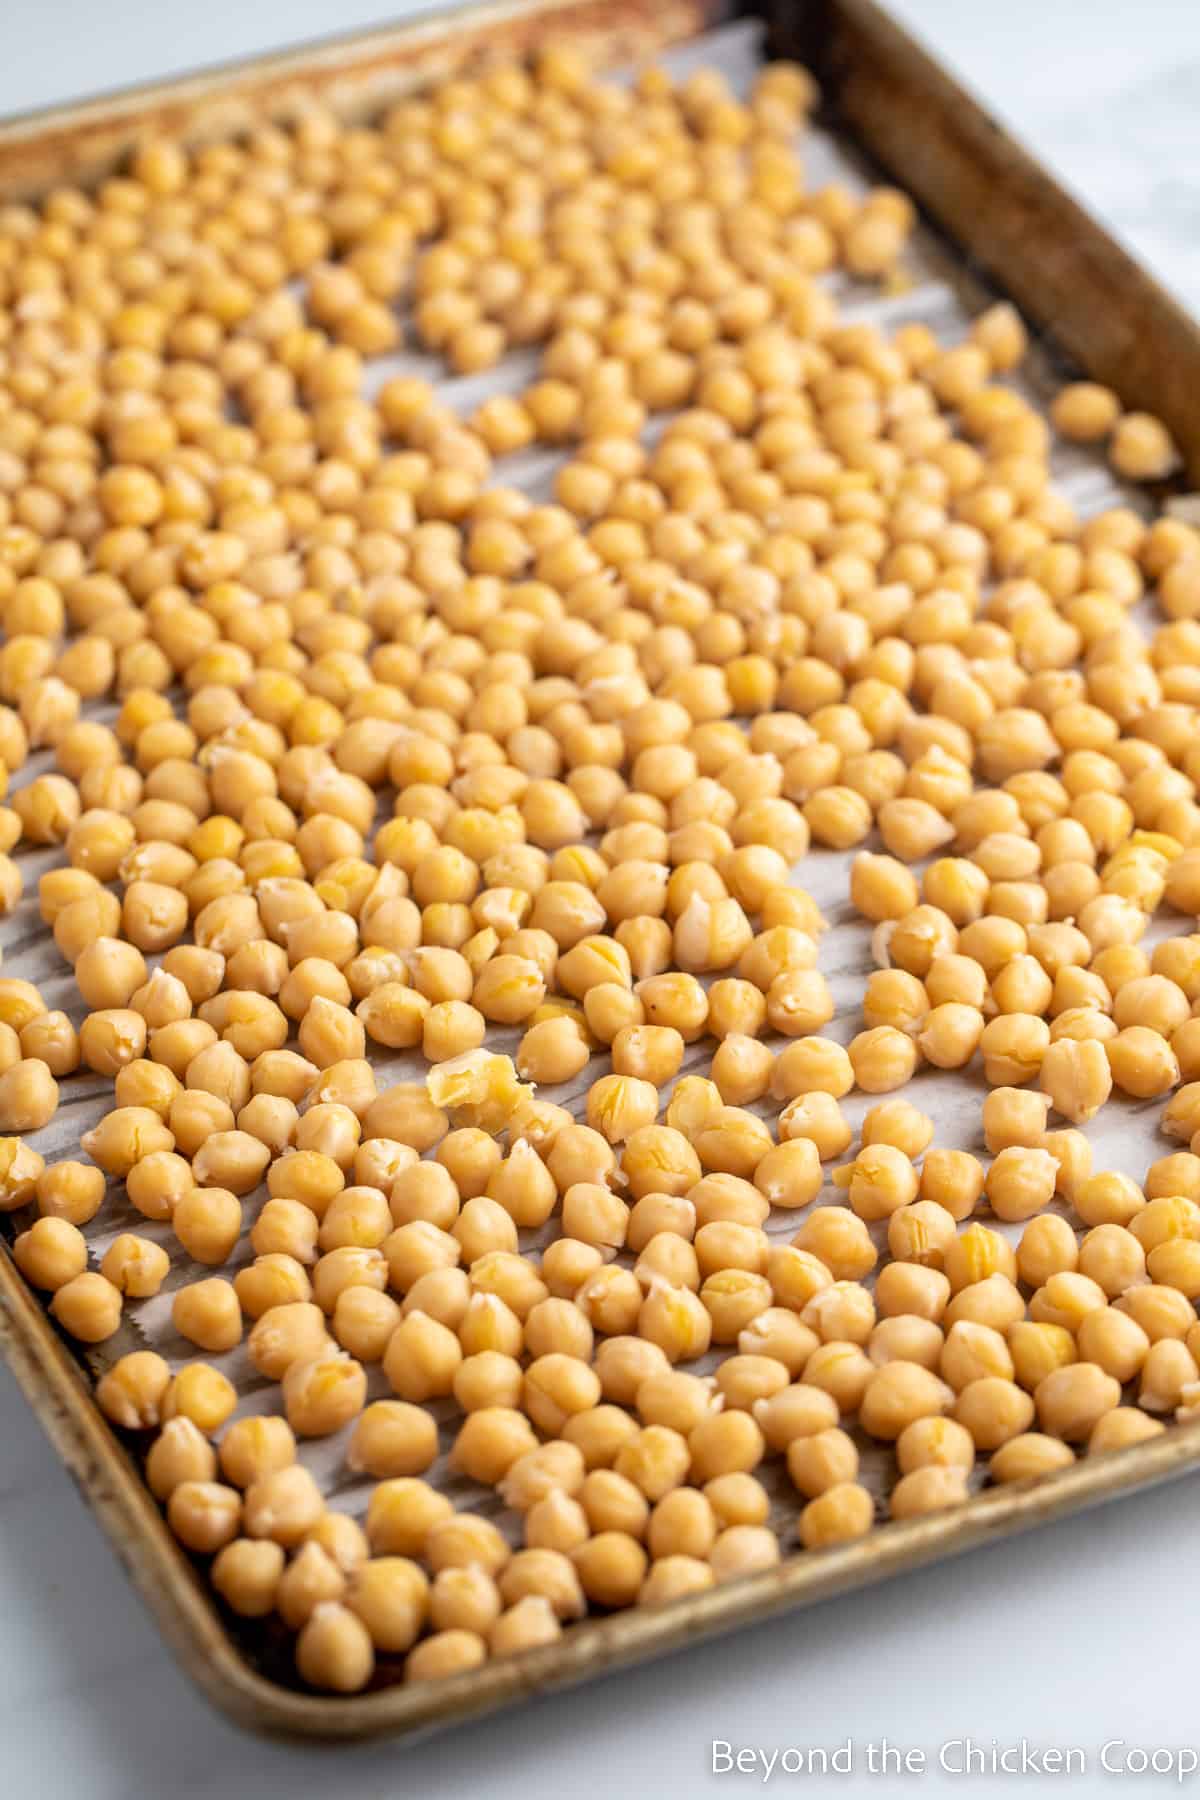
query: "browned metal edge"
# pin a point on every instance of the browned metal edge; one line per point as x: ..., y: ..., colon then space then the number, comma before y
x: 976, y: 181
x: 1046, y: 250
x: 355, y: 75
x: 180, y: 1604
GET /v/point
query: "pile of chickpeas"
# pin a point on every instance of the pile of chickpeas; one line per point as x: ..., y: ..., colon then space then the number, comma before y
x: 351, y: 751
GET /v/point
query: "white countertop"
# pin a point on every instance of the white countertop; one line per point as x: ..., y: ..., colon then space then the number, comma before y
x: 1072, y: 1636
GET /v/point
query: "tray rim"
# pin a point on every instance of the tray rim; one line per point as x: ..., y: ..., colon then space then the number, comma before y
x: 92, y: 134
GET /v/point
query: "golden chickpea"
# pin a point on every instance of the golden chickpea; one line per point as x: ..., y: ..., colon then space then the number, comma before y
x: 1071, y: 1401
x: 552, y: 1052
x: 334, y: 1651
x: 1020, y: 1183
x: 1162, y: 1312
x: 28, y: 1096
x: 201, y: 1394
x: 882, y: 1058
x: 52, y: 1039
x: 490, y: 1441
x: 816, y: 1116
x: 880, y: 1181
x: 422, y: 1357
x: 88, y: 1307
x: 51, y: 1253
x: 611, y: 1568
x: 72, y: 1191
x: 247, y: 1575
x: 208, y: 1223
x: 926, y: 1490
x: 291, y: 1332
x: 898, y: 1394
x: 131, y: 1393
x: 1084, y: 411
x: 135, y: 1265
x: 108, y: 972
x: 283, y: 1504
x: 838, y: 1515
x: 392, y: 1438
x: 529, y: 1623
x: 254, y: 1447
x: 208, y: 1314
x: 1123, y: 1426
x: 790, y: 1175
x: 179, y: 1453
x: 204, y: 1515
x: 1167, y: 1380
x: 1108, y: 1198
x: 1141, y: 448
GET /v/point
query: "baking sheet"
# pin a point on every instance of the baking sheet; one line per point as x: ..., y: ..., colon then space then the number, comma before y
x: 1124, y: 1136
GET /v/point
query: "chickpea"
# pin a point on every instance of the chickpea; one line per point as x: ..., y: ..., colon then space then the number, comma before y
x: 898, y: 1394
x: 392, y: 1438
x: 71, y: 1191
x: 1084, y: 411
x: 334, y: 1650
x: 1123, y: 1426
x: 204, y: 1515
x: 529, y: 1623
x: 247, y: 1575
x: 838, y: 1515
x: 51, y: 1253
x: 254, y: 1447
x: 131, y: 1393
x: 880, y: 1181
x: 1141, y: 447
x: 28, y: 1096
x: 1166, y: 1377
x: 1020, y: 1183
x: 108, y: 972
x: 88, y: 1307
x: 284, y: 1505
x: 422, y: 1357
x: 790, y: 1175
x: 312, y: 1579
x: 552, y: 1051
x: 207, y: 1222
x: 1162, y: 1312
x: 1072, y: 1400
x: 742, y: 1550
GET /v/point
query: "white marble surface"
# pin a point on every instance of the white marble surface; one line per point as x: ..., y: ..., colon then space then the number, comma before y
x: 1039, y: 1640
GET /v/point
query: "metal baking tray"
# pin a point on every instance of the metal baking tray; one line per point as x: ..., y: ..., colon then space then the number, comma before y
x: 992, y: 220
